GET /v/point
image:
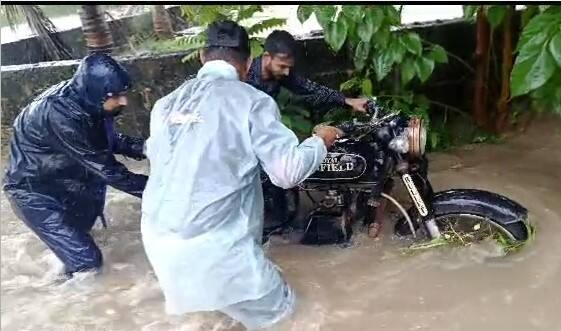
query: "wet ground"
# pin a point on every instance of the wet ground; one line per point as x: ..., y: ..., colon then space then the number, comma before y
x: 370, y: 286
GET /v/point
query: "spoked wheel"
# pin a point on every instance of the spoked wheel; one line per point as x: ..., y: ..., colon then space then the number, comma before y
x: 466, y: 229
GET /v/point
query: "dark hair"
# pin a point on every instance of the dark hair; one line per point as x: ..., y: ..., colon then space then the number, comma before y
x: 228, y: 54
x: 280, y: 42
x: 227, y: 41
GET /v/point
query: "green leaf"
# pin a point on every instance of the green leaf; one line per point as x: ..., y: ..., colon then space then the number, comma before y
x: 265, y: 25
x: 247, y: 12
x: 532, y: 73
x: 555, y: 48
x: 470, y: 11
x: 366, y: 28
x: 367, y: 87
x: 304, y: 12
x: 325, y: 14
x: 397, y: 50
x: 382, y: 37
x: 434, y: 139
x: 382, y: 65
x: 540, y: 28
x: 336, y: 33
x: 412, y: 42
x: 256, y: 47
x: 423, y: 68
x: 438, y: 54
x: 528, y: 13
x: 392, y: 15
x: 407, y: 71
x: 350, y: 84
x: 361, y: 54
x: 286, y: 120
x: 353, y: 12
x: 496, y: 14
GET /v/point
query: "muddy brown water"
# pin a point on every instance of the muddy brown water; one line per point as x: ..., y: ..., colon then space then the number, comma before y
x: 370, y: 286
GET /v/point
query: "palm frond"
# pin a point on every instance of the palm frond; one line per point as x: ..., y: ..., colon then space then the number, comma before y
x: 246, y: 12
x: 265, y: 25
x: 40, y: 25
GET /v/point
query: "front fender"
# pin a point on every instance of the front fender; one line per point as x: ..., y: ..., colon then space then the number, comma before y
x: 481, y: 203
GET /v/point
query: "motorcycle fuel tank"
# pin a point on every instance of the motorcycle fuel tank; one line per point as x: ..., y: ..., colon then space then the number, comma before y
x: 340, y: 166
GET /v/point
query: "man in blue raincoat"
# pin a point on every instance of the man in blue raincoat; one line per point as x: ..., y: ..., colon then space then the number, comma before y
x: 202, y: 210
x: 62, y: 159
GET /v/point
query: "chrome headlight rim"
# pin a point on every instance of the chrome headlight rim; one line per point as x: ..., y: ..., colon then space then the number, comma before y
x: 417, y: 134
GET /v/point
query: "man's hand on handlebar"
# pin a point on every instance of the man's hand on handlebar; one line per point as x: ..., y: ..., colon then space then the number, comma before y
x: 358, y: 104
x: 328, y: 133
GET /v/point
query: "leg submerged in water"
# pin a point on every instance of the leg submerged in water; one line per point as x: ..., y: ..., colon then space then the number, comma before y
x: 48, y: 220
x: 275, y: 307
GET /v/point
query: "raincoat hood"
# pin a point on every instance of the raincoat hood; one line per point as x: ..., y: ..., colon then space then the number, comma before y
x: 98, y: 76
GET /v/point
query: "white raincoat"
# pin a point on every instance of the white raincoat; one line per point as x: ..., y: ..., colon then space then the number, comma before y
x: 202, y: 210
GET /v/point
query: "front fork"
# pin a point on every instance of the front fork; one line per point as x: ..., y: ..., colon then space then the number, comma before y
x: 415, y: 180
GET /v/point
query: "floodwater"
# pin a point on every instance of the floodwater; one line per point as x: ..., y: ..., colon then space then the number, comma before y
x: 369, y: 286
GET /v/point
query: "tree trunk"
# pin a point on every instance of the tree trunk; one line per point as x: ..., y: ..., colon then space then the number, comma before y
x: 482, y: 69
x: 162, y: 22
x: 503, y: 105
x: 96, y: 31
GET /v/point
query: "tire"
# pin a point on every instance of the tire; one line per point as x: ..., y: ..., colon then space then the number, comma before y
x: 501, y: 213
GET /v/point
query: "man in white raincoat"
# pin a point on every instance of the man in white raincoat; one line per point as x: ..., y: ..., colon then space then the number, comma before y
x: 202, y: 210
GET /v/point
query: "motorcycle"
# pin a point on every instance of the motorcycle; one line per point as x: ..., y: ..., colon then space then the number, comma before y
x: 355, y: 183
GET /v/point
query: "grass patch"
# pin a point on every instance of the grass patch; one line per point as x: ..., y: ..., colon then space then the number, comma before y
x: 453, y: 238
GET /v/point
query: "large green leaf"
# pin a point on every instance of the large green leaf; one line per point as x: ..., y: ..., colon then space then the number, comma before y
x: 539, y: 26
x: 367, y: 87
x: 397, y: 50
x: 382, y: 37
x: 336, y: 33
x: 531, y: 73
x: 407, y: 70
x: 438, y: 54
x: 361, y: 54
x: 353, y: 12
x: 496, y: 14
x: 412, y: 42
x: 304, y: 12
x: 325, y: 14
x: 555, y: 48
x: 382, y: 65
x: 424, y: 67
x: 366, y: 29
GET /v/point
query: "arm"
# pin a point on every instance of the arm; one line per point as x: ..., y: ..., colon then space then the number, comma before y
x: 129, y: 146
x: 285, y: 161
x: 317, y: 95
x: 70, y: 137
x: 321, y: 96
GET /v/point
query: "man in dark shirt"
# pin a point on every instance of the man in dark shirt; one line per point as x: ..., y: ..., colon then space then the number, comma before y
x: 268, y: 73
x: 274, y: 69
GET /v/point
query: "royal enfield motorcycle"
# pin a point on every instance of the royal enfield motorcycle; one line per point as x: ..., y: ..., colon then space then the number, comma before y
x: 354, y: 185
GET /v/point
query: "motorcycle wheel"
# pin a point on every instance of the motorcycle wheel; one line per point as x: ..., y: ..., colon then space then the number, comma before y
x: 466, y: 227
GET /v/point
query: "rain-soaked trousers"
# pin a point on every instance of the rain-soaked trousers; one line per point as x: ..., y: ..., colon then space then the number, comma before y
x: 62, y: 159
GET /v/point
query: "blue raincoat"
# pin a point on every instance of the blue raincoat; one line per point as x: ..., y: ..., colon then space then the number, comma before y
x: 202, y: 210
x: 61, y: 160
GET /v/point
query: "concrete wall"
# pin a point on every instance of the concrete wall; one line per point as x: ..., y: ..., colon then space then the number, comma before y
x: 154, y: 77
x: 29, y: 50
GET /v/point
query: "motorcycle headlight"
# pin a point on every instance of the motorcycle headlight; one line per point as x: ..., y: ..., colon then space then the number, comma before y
x: 417, y: 137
